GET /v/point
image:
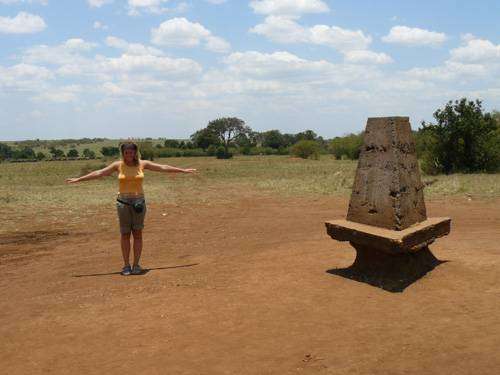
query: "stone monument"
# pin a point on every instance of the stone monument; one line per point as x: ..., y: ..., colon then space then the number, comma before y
x: 387, y: 221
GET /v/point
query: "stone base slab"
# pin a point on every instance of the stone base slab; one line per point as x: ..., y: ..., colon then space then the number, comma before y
x: 408, y: 240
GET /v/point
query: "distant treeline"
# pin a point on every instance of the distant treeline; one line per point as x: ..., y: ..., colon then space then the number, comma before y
x: 463, y: 139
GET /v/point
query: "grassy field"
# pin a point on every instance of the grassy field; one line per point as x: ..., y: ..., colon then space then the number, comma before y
x: 38, y: 189
x: 93, y: 146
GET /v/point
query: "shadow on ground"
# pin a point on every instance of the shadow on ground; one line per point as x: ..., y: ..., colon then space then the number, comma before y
x: 393, y: 273
x: 145, y: 271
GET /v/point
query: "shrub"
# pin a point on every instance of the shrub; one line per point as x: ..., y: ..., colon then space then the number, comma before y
x: 464, y: 139
x: 5, y: 151
x: 222, y: 154
x: 110, y: 151
x: 306, y: 149
x: 347, y: 147
x: 211, y: 150
x: 87, y: 153
x: 246, y: 150
x: 40, y: 155
x: 24, y: 153
x: 194, y: 152
x: 73, y: 153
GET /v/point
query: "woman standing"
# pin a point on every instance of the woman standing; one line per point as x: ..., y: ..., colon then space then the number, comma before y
x: 131, y: 205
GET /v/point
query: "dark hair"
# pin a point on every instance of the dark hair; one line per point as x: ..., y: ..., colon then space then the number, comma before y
x: 129, y: 145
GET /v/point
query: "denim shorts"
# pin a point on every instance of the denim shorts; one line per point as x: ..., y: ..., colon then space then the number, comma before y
x: 128, y: 218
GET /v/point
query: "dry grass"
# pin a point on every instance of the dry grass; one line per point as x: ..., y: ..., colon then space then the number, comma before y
x: 38, y: 191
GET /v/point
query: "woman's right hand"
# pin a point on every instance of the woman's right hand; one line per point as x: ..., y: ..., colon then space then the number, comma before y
x: 72, y: 180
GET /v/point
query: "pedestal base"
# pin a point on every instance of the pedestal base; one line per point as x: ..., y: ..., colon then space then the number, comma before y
x: 391, y: 272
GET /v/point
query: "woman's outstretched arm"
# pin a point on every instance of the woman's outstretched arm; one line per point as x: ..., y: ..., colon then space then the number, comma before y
x: 165, y: 168
x: 96, y: 174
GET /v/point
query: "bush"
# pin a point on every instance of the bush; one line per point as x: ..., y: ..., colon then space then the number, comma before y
x: 347, y: 147
x: 464, y: 139
x: 73, y: 153
x: 222, y: 154
x: 40, y: 155
x: 110, y: 151
x: 194, y: 152
x: 24, y: 153
x: 87, y: 153
x: 146, y: 150
x: 5, y: 151
x: 246, y: 150
x: 212, y: 150
x: 306, y: 149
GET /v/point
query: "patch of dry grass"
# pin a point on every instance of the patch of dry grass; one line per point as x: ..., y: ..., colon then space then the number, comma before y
x: 38, y: 190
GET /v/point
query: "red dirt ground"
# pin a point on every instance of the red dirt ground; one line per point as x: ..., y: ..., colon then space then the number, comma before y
x: 244, y: 289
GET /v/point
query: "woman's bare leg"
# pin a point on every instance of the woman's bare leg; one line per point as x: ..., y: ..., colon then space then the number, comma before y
x: 125, y: 242
x: 137, y: 245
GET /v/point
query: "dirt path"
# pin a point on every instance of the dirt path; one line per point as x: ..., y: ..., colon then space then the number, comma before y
x: 243, y: 289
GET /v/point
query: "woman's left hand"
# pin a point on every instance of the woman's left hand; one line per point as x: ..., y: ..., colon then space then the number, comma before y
x: 189, y: 170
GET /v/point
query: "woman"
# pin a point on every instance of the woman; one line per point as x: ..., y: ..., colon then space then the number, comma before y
x: 130, y: 204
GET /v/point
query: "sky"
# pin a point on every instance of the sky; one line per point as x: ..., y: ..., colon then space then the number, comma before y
x: 165, y: 68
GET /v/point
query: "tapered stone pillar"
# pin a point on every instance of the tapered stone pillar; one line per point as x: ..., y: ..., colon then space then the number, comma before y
x: 386, y: 221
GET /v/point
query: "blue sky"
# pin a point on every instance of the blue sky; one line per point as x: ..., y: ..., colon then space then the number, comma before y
x: 139, y: 68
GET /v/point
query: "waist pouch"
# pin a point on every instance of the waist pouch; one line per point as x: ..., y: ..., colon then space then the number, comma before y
x: 138, y: 205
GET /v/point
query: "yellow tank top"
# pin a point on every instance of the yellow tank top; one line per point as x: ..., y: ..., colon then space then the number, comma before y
x: 130, y: 179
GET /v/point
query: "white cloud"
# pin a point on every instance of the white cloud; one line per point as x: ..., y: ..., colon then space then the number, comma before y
x: 273, y: 64
x: 413, y: 36
x: 353, y: 44
x: 365, y: 56
x: 60, y: 94
x: 286, y: 30
x: 23, y: 23
x: 135, y: 7
x: 449, y: 71
x: 288, y: 68
x: 68, y: 52
x: 132, y: 48
x: 288, y: 7
x: 216, y: 2
x: 169, y: 67
x: 476, y: 50
x: 282, y: 30
x: 183, y: 33
x: 98, y: 25
x: 339, y: 38
x: 98, y: 3
x: 24, y: 76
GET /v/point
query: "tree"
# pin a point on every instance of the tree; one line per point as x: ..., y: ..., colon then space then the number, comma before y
x: 205, y: 138
x: 146, y: 150
x: 88, y: 153
x: 273, y: 139
x: 464, y: 139
x: 24, y: 153
x: 171, y: 143
x: 73, y: 153
x: 40, y: 155
x: 307, y: 135
x: 227, y: 129
x: 306, y: 149
x: 56, y: 152
x: 110, y: 151
x: 348, y: 146
x: 5, y: 151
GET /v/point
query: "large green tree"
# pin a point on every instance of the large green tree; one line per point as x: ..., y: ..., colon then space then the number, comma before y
x: 227, y: 130
x: 463, y: 139
x: 5, y: 151
x: 205, y: 138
